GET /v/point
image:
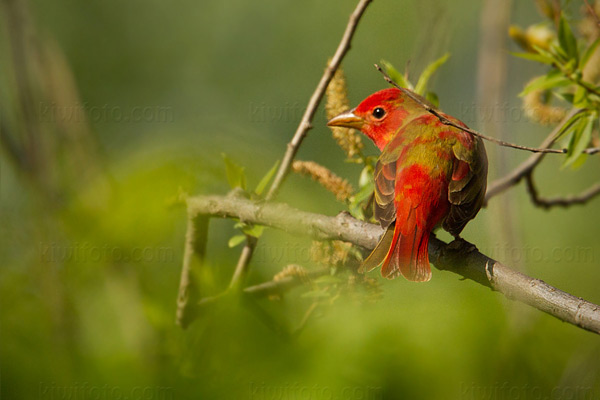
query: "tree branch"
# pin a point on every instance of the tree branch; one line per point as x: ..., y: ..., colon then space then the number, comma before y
x: 592, y: 12
x: 564, y: 201
x: 194, y: 252
x: 470, y: 264
x: 514, y: 177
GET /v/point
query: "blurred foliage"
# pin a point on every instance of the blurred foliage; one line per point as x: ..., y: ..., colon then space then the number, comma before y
x: 567, y: 60
x: 131, y: 103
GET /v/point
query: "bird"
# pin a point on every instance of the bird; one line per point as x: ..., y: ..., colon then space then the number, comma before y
x: 429, y: 174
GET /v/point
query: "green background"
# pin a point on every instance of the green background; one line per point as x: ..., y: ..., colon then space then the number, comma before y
x: 234, y: 77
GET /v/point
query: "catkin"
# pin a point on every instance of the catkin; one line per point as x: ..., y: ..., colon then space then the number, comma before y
x: 330, y: 181
x: 540, y: 112
x: 337, y: 102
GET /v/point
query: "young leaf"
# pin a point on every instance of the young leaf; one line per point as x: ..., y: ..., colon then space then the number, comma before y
x: 580, y: 97
x: 421, y: 86
x: 582, y: 134
x: 266, y: 179
x: 535, y: 57
x: 366, y: 176
x: 571, y: 124
x: 433, y: 99
x: 396, y: 75
x: 566, y: 39
x: 551, y: 80
x: 579, y: 161
x: 235, y: 174
x: 253, y: 230
x: 588, y: 52
x: 235, y: 240
x: 356, y: 211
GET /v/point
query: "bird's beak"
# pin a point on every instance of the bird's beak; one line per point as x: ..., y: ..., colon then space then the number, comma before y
x: 347, y: 120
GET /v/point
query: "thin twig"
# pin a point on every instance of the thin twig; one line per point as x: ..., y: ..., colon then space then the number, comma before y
x: 241, y: 269
x: 271, y: 287
x: 592, y: 12
x: 193, y: 258
x: 306, y: 123
x: 444, y: 120
x: 592, y: 150
x: 514, y: 177
x: 564, y: 201
x: 470, y: 263
x: 309, y: 312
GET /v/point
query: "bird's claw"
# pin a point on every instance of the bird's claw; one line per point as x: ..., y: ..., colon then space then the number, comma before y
x: 461, y: 245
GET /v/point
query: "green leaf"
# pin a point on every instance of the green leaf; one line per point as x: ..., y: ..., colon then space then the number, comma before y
x: 568, y: 97
x: 266, y: 179
x: 356, y: 202
x: 366, y: 176
x: 551, y: 80
x: 556, y: 59
x: 570, y: 124
x: 421, y: 86
x: 582, y: 133
x: 396, y: 75
x: 588, y: 52
x: 236, y: 240
x: 535, y: 57
x: 235, y: 173
x: 580, y: 97
x: 433, y: 99
x: 364, y: 193
x: 566, y: 39
x: 579, y: 161
x: 253, y: 230
x: 356, y: 211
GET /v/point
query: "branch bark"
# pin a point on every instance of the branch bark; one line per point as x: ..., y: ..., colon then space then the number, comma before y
x: 194, y: 252
x: 514, y: 177
x: 561, y: 201
x: 467, y: 262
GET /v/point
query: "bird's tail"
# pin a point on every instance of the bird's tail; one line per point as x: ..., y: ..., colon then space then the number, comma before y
x: 402, y: 253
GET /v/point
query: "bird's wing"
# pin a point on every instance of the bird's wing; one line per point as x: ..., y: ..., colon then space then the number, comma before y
x: 466, y: 190
x: 385, y: 182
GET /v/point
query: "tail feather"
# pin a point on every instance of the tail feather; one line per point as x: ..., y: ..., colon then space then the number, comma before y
x: 408, y: 254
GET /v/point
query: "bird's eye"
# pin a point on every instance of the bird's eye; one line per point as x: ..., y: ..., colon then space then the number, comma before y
x: 379, y: 113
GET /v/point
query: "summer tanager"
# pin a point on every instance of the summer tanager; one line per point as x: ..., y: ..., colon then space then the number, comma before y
x: 428, y: 174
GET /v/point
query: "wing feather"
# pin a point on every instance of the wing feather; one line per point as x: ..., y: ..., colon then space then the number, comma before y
x: 466, y: 190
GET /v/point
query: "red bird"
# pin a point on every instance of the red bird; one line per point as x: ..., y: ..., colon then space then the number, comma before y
x: 428, y: 174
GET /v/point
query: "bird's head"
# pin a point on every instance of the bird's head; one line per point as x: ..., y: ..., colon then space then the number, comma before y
x: 379, y: 116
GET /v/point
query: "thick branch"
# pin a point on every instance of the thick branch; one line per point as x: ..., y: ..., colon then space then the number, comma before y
x: 469, y: 264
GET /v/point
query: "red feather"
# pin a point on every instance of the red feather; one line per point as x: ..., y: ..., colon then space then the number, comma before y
x: 428, y: 174
x: 420, y: 206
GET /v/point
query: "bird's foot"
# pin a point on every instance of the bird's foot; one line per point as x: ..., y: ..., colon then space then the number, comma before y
x: 461, y: 245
